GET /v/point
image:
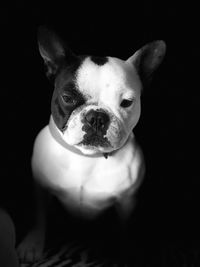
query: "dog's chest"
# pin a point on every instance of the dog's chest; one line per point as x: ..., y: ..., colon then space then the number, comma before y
x: 78, y: 180
x: 90, y: 187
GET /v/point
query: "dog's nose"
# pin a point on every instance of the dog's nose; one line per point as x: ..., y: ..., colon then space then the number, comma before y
x: 98, y: 120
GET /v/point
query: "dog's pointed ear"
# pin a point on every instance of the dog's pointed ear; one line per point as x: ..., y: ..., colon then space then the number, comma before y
x: 52, y: 49
x: 147, y: 59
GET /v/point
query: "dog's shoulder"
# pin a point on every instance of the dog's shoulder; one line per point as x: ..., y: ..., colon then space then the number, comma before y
x: 43, y: 140
x: 45, y: 148
x: 134, y: 159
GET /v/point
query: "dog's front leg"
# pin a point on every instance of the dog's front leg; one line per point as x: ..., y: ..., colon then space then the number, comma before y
x: 32, y: 247
x: 124, y: 208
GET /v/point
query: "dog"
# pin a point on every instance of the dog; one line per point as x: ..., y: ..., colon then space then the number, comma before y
x: 87, y: 155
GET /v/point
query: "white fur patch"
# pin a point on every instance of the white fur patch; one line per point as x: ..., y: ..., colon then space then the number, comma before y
x: 110, y: 83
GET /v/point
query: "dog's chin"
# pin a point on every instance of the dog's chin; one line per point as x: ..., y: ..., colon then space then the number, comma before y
x: 93, y: 150
x: 102, y: 146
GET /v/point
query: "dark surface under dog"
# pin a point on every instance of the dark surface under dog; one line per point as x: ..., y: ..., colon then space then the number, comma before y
x: 102, y: 234
x: 100, y: 242
x: 74, y: 240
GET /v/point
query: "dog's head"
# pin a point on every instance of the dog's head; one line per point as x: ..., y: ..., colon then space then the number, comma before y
x: 96, y: 100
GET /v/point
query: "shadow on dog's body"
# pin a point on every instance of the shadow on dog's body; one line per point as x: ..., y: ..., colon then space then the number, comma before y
x: 87, y: 156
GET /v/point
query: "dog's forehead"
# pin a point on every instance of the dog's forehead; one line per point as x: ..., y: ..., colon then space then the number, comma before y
x: 109, y: 72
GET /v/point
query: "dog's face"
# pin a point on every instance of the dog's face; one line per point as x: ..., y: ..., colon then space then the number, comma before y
x: 97, y: 106
x: 96, y: 100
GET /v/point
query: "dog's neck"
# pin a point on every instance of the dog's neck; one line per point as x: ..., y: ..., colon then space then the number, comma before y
x: 57, y: 136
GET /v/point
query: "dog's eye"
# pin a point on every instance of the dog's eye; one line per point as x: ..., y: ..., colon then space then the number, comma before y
x: 126, y: 103
x: 68, y: 99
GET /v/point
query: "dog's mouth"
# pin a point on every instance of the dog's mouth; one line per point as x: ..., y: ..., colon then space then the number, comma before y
x: 94, y: 137
x: 95, y: 140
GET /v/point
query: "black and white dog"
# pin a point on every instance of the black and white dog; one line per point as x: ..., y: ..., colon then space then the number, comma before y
x: 87, y: 155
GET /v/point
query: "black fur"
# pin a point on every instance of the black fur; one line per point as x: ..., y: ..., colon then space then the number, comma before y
x: 99, y: 60
x: 65, y: 83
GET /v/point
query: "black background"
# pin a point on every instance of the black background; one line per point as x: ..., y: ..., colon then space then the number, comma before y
x: 168, y: 208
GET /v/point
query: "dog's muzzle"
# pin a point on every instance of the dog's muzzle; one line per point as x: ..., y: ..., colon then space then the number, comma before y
x: 95, y: 126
